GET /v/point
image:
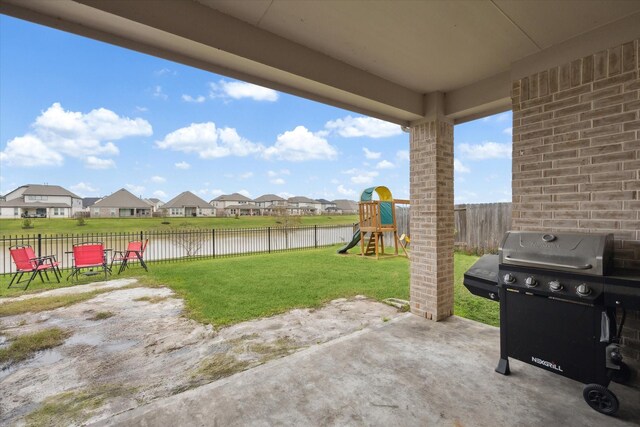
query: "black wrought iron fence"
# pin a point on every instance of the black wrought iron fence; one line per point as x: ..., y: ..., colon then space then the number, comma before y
x: 183, y: 245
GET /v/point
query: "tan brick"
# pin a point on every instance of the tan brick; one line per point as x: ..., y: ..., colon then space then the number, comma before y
x: 603, y: 93
x: 614, y: 138
x: 535, y: 101
x: 615, y: 56
x: 612, y: 176
x: 621, y: 78
x: 601, y: 206
x: 599, y: 224
x: 563, y: 103
x: 631, y: 106
x: 571, y: 179
x: 600, y: 65
x: 576, y: 72
x: 601, y: 186
x: 535, y: 214
x: 616, y: 99
x: 632, y: 85
x: 613, y: 215
x: 587, y: 69
x: 628, y: 57
x: 554, y: 189
x: 564, y: 76
x: 614, y: 195
x: 524, y: 89
x: 571, y: 214
x: 574, y: 109
x: 533, y: 86
x: 569, y: 136
x: 617, y: 118
x: 604, y: 130
x: 575, y: 197
x: 535, y: 182
x: 632, y: 125
x: 560, y: 155
x: 602, y: 149
x: 600, y: 168
x: 569, y: 145
x: 535, y: 166
x: 559, y: 172
x: 631, y: 145
x: 537, y: 118
x: 572, y: 127
x: 526, y: 175
x: 614, y: 157
x: 535, y: 198
x: 543, y: 83
x: 560, y: 223
x: 553, y: 80
x: 632, y: 185
x: 631, y: 165
x: 630, y: 225
x: 601, y: 112
x: 578, y: 161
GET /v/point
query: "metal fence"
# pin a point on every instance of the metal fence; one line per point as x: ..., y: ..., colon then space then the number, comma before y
x: 183, y: 245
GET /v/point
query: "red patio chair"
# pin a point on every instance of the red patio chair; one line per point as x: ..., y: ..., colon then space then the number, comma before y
x: 89, y: 256
x: 51, y: 259
x: 134, y: 252
x: 26, y: 262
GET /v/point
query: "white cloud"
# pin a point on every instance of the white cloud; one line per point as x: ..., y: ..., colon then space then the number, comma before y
x: 158, y: 179
x: 508, y: 131
x: 164, y: 72
x: 57, y: 132
x: 371, y: 155
x: 160, y: 194
x: 198, y: 99
x: 459, y: 167
x: 351, y: 127
x: 346, y: 191
x: 84, y: 189
x: 285, y: 195
x: 239, y: 90
x: 272, y: 174
x: 158, y: 93
x: 182, y: 165
x: 361, y: 177
x: 503, y: 117
x: 245, y: 175
x: 403, y: 155
x: 208, y: 141
x: 486, y: 150
x: 299, y: 145
x: 135, y: 189
x: 29, y: 151
x: 93, y: 162
x: 245, y: 193
x: 141, y: 109
x: 385, y: 164
x: 277, y: 181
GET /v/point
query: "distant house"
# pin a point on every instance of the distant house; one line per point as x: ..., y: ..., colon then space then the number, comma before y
x: 223, y: 201
x: 270, y: 204
x: 156, y: 204
x: 40, y: 201
x: 87, y: 202
x: 120, y: 204
x: 247, y: 209
x: 187, y: 204
x: 344, y: 206
x: 301, y: 205
x: 325, y: 205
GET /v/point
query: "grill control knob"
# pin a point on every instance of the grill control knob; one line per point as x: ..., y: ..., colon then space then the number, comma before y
x: 530, y: 282
x: 583, y: 290
x: 555, y: 286
x: 508, y: 278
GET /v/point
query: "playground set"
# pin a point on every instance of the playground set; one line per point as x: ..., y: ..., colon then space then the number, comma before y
x: 376, y: 218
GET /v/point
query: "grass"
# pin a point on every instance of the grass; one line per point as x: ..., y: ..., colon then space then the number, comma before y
x: 152, y: 300
x: 231, y: 290
x: 25, y: 346
x: 101, y: 315
x: 124, y: 225
x: 465, y: 303
x: 72, y: 407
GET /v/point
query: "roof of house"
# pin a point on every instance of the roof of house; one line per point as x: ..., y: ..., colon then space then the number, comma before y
x: 122, y: 199
x: 245, y: 206
x: 18, y: 203
x: 46, y: 190
x: 186, y: 200
x: 269, y: 198
x: 325, y: 201
x: 154, y: 200
x: 89, y: 201
x: 346, y: 205
x: 235, y: 197
x: 301, y: 199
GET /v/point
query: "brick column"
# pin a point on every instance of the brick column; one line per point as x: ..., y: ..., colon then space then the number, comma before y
x: 432, y: 224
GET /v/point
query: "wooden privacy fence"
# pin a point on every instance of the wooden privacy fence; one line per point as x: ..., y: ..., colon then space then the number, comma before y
x: 481, y: 226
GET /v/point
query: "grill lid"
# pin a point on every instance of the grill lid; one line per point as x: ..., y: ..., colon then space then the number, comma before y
x: 573, y: 252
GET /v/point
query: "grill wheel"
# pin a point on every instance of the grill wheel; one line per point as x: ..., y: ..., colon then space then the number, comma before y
x: 601, y: 399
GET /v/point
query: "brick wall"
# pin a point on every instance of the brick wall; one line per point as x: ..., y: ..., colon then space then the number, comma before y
x: 431, y: 219
x: 576, y: 154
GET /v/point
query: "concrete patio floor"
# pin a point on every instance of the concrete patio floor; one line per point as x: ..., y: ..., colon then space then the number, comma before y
x: 408, y: 372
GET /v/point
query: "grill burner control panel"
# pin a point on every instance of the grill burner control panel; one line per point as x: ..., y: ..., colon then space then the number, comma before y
x: 546, y: 283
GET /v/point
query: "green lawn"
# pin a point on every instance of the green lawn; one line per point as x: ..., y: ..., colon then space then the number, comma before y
x: 230, y: 290
x: 102, y: 225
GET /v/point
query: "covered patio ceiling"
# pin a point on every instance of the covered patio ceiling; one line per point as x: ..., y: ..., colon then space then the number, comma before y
x: 380, y: 58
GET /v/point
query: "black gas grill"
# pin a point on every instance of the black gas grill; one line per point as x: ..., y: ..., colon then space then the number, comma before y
x: 559, y: 297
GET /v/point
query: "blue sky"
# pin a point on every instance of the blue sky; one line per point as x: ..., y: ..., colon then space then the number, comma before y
x: 95, y: 118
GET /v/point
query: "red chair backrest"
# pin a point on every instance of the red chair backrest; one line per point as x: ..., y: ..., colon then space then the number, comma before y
x: 21, y: 258
x: 88, y: 254
x: 137, y: 246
